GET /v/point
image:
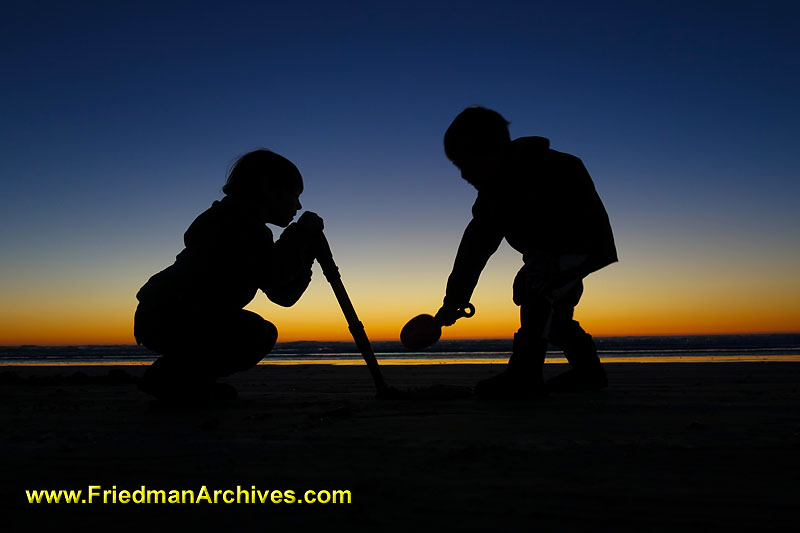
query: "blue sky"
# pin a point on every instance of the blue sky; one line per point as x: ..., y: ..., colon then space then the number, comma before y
x: 121, y: 119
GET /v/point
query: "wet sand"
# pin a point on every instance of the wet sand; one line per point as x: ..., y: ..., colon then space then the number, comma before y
x: 669, y: 447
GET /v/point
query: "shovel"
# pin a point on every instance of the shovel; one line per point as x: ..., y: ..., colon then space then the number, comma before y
x: 423, y: 331
x: 324, y: 257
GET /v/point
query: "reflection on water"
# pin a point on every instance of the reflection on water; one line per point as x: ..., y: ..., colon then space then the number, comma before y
x: 405, y: 361
x: 550, y: 360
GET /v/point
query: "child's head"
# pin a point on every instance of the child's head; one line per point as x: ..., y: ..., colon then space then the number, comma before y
x: 268, y: 182
x: 476, y: 142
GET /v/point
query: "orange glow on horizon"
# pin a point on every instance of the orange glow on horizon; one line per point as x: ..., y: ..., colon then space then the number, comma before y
x: 615, y: 304
x: 100, y: 333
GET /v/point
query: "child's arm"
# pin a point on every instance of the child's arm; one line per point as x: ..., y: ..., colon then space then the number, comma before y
x: 480, y: 240
x: 292, y: 260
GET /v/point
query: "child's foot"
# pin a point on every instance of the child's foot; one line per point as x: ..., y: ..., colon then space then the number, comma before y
x: 579, y: 379
x: 510, y: 386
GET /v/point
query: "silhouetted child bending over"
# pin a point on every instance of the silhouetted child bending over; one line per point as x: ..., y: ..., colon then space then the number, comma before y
x: 192, y: 312
x: 545, y: 205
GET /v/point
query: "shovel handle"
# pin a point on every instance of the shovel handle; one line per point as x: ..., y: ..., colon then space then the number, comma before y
x: 324, y: 257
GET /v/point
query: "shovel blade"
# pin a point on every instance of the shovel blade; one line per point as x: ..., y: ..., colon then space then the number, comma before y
x: 420, y: 332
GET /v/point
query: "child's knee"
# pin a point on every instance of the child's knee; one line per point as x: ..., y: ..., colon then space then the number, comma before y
x: 269, y: 337
x: 259, y: 346
x: 256, y: 338
x: 271, y: 329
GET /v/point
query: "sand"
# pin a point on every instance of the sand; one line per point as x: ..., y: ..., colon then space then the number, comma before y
x: 669, y: 447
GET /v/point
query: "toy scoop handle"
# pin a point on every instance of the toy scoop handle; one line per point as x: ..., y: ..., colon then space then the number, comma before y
x: 467, y: 311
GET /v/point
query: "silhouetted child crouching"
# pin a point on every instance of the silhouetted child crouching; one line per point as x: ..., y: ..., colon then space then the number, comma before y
x: 543, y: 203
x: 192, y: 312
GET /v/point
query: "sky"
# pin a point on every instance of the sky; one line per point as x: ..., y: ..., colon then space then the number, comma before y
x: 121, y: 120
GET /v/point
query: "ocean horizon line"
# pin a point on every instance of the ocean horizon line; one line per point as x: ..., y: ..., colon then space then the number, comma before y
x: 630, y: 348
x: 598, y: 338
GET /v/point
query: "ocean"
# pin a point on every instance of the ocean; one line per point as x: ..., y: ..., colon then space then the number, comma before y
x: 762, y: 347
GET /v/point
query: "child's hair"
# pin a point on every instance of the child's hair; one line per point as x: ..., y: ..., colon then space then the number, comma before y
x: 474, y: 129
x: 252, y: 171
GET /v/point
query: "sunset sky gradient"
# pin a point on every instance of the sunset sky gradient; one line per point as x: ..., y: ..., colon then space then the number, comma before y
x: 120, y: 121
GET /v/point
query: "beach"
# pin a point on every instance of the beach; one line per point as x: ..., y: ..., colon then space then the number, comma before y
x: 668, y: 447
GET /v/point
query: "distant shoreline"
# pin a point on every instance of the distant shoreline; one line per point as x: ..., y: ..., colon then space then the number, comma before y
x: 448, y: 344
x: 651, y: 349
